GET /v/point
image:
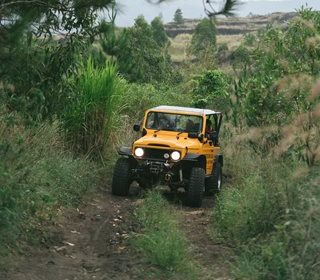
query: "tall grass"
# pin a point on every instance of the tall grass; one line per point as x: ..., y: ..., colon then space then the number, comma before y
x: 161, y: 240
x: 88, y: 118
x: 270, y: 211
x: 37, y: 177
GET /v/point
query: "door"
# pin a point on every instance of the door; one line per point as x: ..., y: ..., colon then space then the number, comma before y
x: 210, y: 146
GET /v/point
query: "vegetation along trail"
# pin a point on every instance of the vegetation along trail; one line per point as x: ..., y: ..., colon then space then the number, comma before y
x: 72, y: 87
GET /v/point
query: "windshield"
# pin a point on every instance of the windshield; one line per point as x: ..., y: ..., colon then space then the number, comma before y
x: 174, y: 122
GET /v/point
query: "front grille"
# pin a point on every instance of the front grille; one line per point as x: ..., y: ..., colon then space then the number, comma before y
x: 155, y: 153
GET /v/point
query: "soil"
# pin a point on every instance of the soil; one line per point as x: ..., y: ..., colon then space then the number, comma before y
x: 92, y: 242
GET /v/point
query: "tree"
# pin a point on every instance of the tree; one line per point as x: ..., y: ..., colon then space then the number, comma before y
x: 142, y: 59
x: 38, y: 43
x: 203, y: 39
x: 178, y: 17
x: 159, y: 33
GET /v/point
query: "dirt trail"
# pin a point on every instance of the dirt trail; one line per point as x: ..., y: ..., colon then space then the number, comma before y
x: 92, y: 243
x: 213, y: 257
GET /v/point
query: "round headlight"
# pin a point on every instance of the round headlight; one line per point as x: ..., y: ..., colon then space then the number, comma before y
x: 139, y: 152
x: 175, y: 155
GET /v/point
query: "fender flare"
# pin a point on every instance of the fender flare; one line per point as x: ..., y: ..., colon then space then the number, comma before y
x: 125, y: 151
x: 219, y: 158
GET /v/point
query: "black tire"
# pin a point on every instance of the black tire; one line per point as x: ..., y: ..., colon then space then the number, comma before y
x: 214, y: 183
x: 196, y: 187
x: 121, y: 177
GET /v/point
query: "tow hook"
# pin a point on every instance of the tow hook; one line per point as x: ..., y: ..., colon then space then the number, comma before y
x: 167, y: 177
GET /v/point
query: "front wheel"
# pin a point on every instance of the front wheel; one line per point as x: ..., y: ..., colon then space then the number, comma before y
x: 196, y: 187
x: 121, y: 177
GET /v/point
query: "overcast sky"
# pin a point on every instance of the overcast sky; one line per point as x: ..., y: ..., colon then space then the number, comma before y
x: 130, y: 9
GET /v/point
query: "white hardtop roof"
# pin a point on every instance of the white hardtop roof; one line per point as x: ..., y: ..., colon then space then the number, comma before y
x: 185, y: 110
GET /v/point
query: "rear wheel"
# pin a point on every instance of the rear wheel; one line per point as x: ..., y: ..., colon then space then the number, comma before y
x: 214, y: 183
x: 121, y: 177
x: 196, y: 187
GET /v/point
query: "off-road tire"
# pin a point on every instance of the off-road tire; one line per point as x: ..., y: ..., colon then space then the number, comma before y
x: 196, y: 187
x: 214, y: 183
x: 121, y: 177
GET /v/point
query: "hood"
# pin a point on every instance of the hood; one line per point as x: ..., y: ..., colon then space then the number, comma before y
x: 170, y: 140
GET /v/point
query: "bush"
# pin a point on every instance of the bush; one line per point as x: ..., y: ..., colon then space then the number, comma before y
x: 37, y: 177
x: 276, y: 69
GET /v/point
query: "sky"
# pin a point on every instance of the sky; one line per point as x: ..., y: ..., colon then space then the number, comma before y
x: 130, y: 9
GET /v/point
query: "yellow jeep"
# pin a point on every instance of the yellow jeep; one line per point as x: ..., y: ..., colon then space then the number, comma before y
x: 179, y: 146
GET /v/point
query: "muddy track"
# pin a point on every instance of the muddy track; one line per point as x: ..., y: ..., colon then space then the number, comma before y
x: 91, y: 242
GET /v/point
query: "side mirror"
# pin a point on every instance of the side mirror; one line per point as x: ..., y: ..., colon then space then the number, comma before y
x: 200, y: 137
x: 136, y: 127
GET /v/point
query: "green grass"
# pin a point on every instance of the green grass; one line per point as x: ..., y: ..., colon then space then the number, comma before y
x: 269, y: 211
x: 37, y: 177
x: 89, y: 115
x: 161, y: 240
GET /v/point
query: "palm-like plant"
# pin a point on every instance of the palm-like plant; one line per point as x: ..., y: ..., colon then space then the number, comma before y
x: 227, y: 9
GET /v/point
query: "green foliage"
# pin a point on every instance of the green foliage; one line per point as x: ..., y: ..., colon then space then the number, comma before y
x: 251, y: 208
x: 162, y: 240
x: 178, y: 17
x: 159, y: 33
x: 268, y: 63
x: 88, y: 116
x: 270, y: 212
x: 212, y: 91
x: 37, y: 177
x: 48, y: 16
x: 291, y: 251
x: 32, y: 74
x: 203, y: 42
x: 142, y: 59
x: 40, y: 41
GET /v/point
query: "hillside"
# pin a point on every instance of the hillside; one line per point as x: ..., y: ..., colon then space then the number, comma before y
x: 233, y: 25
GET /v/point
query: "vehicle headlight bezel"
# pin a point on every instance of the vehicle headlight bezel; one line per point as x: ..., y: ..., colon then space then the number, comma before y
x: 139, y: 152
x: 175, y: 155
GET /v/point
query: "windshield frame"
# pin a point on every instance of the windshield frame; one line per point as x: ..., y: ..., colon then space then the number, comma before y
x: 201, y: 118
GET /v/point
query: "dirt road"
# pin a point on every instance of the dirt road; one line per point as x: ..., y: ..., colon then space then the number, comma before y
x: 91, y: 242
